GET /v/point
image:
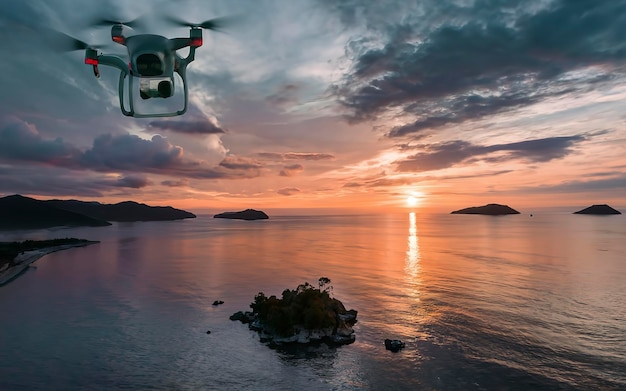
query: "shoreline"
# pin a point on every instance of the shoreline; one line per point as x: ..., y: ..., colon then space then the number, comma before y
x: 25, y: 259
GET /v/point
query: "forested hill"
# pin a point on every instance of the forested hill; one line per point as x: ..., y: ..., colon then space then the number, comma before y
x: 123, y: 211
x: 19, y: 212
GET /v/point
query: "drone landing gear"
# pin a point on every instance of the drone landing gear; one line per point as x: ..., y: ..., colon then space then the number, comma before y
x: 96, y: 72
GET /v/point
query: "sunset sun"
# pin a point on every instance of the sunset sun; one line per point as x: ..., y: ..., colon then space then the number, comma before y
x: 411, y: 201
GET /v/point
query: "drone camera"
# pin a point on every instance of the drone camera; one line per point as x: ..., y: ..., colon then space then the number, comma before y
x: 160, y: 87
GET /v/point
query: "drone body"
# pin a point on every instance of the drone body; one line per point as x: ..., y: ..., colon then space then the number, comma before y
x: 153, y: 62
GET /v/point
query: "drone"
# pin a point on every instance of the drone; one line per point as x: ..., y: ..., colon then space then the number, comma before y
x: 153, y: 61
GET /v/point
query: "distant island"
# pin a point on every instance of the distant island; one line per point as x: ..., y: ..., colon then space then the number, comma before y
x: 19, y: 212
x: 125, y: 211
x: 489, y: 209
x: 305, y: 315
x: 15, y: 257
x: 248, y: 214
x: 602, y: 209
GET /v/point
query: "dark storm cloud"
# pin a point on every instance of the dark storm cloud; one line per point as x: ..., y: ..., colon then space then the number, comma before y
x: 288, y: 191
x: 128, y: 152
x: 295, y: 156
x: 50, y: 183
x: 291, y: 170
x: 159, y: 156
x: 132, y: 181
x: 187, y: 127
x: 177, y: 183
x: 384, y: 181
x: 611, y: 186
x: 113, y: 153
x: 21, y: 141
x: 444, y: 155
x: 286, y: 95
x: 240, y: 163
x: 464, y: 68
x: 56, y: 181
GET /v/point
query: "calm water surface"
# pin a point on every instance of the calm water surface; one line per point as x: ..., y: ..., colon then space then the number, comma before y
x: 483, y: 303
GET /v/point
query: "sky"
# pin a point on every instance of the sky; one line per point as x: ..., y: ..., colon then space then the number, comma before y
x: 354, y: 104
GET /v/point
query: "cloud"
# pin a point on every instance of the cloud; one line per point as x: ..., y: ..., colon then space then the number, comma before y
x: 132, y: 181
x: 240, y: 163
x: 115, y: 153
x: 288, y: 191
x: 177, y: 183
x: 384, y: 181
x: 295, y: 156
x: 291, y: 170
x: 448, y: 154
x: 187, y: 127
x: 612, y: 186
x: 285, y: 96
x: 55, y: 181
x: 21, y: 141
x: 487, y: 60
x: 51, y: 183
x: 130, y: 152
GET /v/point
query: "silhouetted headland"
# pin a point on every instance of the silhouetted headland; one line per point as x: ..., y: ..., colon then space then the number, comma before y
x: 602, y: 209
x: 123, y: 211
x: 248, y: 214
x: 19, y: 212
x: 15, y: 257
x: 489, y: 209
x: 305, y: 315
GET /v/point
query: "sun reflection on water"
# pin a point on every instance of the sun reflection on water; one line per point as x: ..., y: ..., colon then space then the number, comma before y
x: 413, y: 251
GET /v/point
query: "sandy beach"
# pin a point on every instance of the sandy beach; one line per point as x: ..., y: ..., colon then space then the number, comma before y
x: 25, y: 259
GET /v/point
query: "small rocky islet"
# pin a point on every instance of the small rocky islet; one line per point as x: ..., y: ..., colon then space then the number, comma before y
x: 248, y: 214
x: 489, y: 209
x: 598, y: 209
x: 305, y: 315
x: 498, y: 210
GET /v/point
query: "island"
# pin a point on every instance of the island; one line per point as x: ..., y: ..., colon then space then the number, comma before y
x: 489, y: 209
x: 248, y: 214
x: 125, y: 211
x: 306, y: 315
x: 15, y: 257
x: 19, y: 212
x: 602, y: 209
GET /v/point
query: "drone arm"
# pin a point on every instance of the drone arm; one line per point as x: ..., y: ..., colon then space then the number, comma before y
x: 118, y: 63
x: 179, y: 43
x: 113, y: 61
x: 183, y: 62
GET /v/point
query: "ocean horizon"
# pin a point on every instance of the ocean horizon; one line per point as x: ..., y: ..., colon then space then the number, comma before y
x: 482, y: 303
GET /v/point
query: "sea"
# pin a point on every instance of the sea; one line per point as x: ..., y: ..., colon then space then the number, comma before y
x: 515, y: 302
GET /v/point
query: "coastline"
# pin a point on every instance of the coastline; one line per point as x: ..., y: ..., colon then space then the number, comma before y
x: 25, y: 259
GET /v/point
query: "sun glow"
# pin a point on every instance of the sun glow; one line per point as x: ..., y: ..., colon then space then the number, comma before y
x: 412, y: 201
x: 414, y: 198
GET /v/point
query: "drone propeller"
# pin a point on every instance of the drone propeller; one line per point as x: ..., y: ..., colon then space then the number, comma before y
x: 135, y: 23
x: 211, y: 24
x: 66, y: 43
